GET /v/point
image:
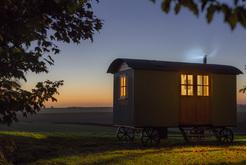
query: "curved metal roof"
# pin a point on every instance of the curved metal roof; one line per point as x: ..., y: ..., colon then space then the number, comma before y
x: 172, y: 66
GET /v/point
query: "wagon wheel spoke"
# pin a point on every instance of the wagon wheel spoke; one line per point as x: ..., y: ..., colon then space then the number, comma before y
x: 125, y: 131
x: 147, y: 132
x: 151, y: 141
x: 131, y: 133
x: 156, y: 137
x: 123, y: 134
x: 147, y: 140
x: 224, y: 139
x: 127, y: 138
x: 150, y: 137
x: 156, y: 140
x: 226, y: 135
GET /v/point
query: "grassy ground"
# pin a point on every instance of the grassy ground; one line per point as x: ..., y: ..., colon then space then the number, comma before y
x: 82, y: 144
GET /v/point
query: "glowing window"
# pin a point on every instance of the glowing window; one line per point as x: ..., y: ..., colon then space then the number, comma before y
x: 123, y: 86
x: 186, y: 85
x: 202, y: 85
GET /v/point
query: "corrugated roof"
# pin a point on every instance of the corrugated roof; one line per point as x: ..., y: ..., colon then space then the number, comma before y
x: 172, y: 66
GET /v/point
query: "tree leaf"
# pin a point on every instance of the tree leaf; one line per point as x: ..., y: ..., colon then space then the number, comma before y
x: 210, y: 12
x: 177, y: 8
x: 166, y: 5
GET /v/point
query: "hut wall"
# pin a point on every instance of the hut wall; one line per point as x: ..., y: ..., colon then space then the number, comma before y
x: 156, y: 97
x: 224, y: 105
x: 123, y: 112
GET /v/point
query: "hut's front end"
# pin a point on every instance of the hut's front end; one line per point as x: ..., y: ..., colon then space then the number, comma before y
x: 123, y: 98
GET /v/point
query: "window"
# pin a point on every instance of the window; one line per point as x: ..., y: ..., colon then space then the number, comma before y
x: 202, y: 85
x: 123, y: 86
x: 186, y: 85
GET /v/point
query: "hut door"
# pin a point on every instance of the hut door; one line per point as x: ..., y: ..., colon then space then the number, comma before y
x: 194, y: 101
x: 194, y: 111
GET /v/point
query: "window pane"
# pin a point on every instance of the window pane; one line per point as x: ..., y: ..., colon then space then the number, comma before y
x: 183, y: 79
x: 123, y: 85
x: 205, y: 80
x: 199, y: 90
x: 124, y: 81
x: 199, y: 80
x: 183, y: 89
x: 121, y: 80
x: 124, y: 91
x: 206, y: 91
x: 190, y: 79
x: 190, y: 90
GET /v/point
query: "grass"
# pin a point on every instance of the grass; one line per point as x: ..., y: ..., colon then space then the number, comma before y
x: 100, y: 146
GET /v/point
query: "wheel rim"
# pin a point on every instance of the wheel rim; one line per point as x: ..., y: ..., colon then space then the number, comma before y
x: 123, y: 134
x: 150, y: 137
x: 226, y: 135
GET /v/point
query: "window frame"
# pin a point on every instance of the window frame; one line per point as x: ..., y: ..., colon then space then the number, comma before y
x: 202, y: 85
x: 187, y: 84
x: 123, y: 86
x: 195, y: 85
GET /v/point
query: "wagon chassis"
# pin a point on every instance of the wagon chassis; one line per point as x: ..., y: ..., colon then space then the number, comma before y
x: 151, y: 136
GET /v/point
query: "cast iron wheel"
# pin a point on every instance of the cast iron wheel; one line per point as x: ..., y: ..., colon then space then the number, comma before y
x: 125, y: 134
x: 150, y: 137
x: 192, y: 131
x: 226, y: 135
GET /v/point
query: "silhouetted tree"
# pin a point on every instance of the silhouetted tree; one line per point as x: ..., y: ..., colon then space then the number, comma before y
x: 243, y: 89
x: 232, y: 13
x: 28, y: 29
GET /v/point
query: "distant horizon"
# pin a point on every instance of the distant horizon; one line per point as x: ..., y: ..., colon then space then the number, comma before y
x: 79, y: 107
x: 92, y: 106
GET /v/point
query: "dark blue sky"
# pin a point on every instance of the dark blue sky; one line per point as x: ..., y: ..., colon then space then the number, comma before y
x: 140, y: 29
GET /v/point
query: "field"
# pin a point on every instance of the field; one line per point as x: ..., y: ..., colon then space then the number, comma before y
x: 47, y: 142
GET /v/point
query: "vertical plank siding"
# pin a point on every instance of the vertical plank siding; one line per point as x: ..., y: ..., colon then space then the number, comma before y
x: 224, y: 104
x: 123, y: 108
x: 156, y: 98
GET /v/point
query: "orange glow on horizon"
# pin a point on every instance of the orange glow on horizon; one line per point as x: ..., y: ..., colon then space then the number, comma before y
x: 74, y: 101
x: 98, y: 101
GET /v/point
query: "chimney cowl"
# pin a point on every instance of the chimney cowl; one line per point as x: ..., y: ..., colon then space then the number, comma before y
x: 205, y: 59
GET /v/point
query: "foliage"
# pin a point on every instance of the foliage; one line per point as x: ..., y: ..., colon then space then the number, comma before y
x: 243, y: 89
x: 7, y: 148
x: 28, y: 31
x: 232, y: 14
x: 104, y: 148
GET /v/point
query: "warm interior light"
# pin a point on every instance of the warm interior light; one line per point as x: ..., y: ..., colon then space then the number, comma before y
x: 202, y: 85
x: 186, y: 85
x: 123, y: 86
x: 205, y: 80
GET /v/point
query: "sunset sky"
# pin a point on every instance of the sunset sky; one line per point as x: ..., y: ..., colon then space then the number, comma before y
x: 139, y: 29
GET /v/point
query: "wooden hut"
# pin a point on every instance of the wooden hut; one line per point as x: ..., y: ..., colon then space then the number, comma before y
x: 171, y: 94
